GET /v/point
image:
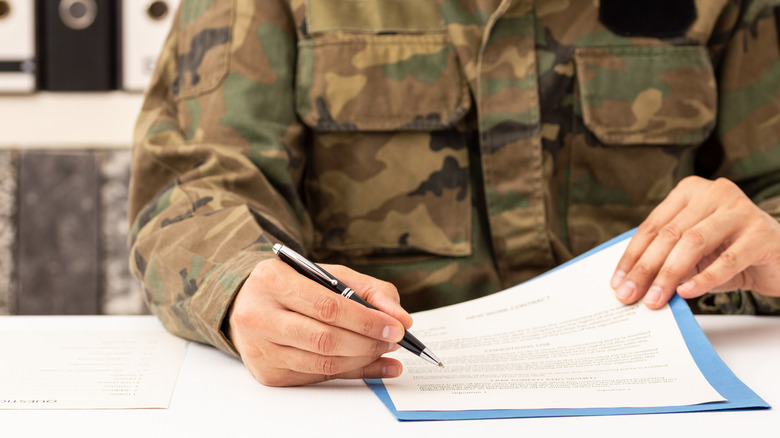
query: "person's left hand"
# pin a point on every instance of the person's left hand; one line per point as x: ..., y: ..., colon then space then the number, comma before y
x: 706, y: 236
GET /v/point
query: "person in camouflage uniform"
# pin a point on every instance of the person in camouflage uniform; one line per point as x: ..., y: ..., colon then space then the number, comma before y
x: 444, y: 150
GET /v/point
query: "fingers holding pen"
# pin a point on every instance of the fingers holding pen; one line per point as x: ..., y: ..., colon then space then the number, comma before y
x: 289, y: 330
x: 304, y: 333
x: 275, y: 364
x: 324, y: 305
x: 287, y: 349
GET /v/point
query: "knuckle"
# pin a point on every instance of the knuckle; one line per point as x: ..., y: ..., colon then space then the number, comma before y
x: 388, y: 287
x: 647, y: 228
x: 380, y: 288
x: 630, y: 257
x: 326, y: 308
x: 767, y: 226
x: 670, y: 232
x: 724, y: 184
x: 643, y: 269
x: 745, y: 206
x: 707, y: 277
x: 326, y: 365
x: 323, y: 341
x: 690, y: 180
x: 265, y: 276
x: 370, y: 292
x: 694, y: 238
x: 729, y: 259
x: 667, y: 273
x: 241, y: 318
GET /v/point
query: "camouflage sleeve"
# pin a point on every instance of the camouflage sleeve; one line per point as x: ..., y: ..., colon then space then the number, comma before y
x: 217, y: 159
x: 748, y: 134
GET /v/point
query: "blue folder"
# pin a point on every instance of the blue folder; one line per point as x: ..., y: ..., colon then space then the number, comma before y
x: 736, y: 393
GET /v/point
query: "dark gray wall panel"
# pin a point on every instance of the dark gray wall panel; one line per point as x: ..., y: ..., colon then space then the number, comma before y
x: 58, y: 233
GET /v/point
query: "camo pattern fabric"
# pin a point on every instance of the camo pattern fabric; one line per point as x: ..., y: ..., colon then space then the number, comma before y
x: 452, y: 147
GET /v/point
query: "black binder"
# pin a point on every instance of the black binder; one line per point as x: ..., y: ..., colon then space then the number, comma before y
x: 77, y: 45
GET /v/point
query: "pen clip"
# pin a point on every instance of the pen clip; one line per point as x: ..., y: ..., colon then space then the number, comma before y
x: 304, y: 263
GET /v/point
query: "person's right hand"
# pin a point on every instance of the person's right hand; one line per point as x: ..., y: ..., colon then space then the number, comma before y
x: 290, y: 330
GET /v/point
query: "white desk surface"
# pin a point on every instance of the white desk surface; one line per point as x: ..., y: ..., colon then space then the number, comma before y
x: 216, y: 397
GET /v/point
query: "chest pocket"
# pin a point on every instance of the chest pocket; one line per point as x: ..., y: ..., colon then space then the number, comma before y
x: 645, y: 111
x: 382, y: 96
x: 647, y: 95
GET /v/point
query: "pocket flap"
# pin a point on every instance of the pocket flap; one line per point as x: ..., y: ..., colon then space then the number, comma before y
x: 374, y: 15
x: 370, y: 82
x: 647, y: 95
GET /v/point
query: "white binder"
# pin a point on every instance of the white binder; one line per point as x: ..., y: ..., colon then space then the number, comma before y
x: 145, y: 25
x: 17, y: 46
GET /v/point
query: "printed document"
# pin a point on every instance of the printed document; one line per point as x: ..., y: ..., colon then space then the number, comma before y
x: 88, y: 370
x: 561, y: 340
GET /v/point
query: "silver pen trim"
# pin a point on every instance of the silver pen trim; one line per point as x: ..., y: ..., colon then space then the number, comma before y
x: 302, y: 261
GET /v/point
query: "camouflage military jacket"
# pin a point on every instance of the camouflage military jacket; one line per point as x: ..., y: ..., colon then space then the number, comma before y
x: 452, y: 147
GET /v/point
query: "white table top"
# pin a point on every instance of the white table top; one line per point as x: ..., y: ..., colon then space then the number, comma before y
x: 216, y: 397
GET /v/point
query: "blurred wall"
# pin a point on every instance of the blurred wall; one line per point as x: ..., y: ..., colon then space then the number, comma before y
x: 63, y: 232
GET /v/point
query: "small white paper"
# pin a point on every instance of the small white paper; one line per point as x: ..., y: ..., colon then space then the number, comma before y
x: 559, y: 341
x: 88, y: 370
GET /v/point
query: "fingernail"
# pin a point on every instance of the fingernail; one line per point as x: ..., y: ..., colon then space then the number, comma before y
x: 686, y: 287
x: 392, y: 333
x: 617, y: 279
x: 391, y: 370
x: 653, y: 295
x: 626, y: 290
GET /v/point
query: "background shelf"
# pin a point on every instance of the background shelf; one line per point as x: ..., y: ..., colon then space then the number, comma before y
x: 46, y: 120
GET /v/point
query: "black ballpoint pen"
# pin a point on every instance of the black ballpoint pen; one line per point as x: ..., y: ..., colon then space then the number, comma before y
x: 314, y: 272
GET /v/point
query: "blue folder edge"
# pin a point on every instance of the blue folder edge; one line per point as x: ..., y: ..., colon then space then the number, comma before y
x: 736, y: 393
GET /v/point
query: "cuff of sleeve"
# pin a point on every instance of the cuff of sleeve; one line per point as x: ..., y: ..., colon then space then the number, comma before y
x: 209, y: 306
x: 736, y: 302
